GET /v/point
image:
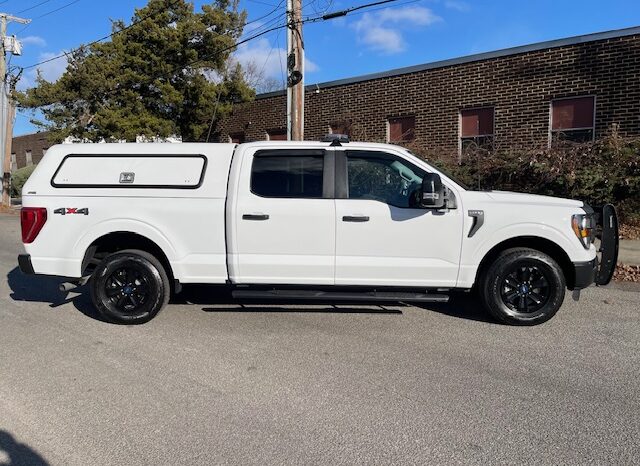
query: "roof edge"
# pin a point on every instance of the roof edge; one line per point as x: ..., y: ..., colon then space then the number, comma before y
x: 573, y: 40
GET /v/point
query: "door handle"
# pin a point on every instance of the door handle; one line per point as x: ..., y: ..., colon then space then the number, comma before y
x: 255, y: 217
x: 355, y: 218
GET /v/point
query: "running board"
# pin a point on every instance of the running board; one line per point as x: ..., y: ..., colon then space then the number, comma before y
x: 313, y: 295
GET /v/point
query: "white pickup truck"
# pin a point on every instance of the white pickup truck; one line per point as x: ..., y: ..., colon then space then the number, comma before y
x: 332, y: 220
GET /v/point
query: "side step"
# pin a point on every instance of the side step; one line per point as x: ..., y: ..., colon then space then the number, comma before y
x: 313, y: 295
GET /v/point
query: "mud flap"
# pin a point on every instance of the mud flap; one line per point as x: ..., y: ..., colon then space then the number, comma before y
x: 608, y: 245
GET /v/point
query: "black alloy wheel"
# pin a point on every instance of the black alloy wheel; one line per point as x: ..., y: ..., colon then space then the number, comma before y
x: 522, y: 286
x: 130, y: 287
x: 526, y: 288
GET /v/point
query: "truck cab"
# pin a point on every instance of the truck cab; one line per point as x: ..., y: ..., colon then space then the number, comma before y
x: 307, y: 220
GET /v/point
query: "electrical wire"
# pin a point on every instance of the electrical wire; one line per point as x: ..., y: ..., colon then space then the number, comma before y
x: 226, y: 49
x: 34, y: 6
x: 46, y: 14
x: 133, y: 23
x: 57, y: 9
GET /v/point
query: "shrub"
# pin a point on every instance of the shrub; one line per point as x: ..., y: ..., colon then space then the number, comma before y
x: 607, y: 170
x: 19, y: 178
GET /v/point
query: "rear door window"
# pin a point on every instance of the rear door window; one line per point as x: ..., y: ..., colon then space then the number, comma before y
x: 287, y: 174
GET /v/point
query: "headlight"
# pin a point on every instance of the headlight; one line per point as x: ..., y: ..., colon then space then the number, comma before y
x: 583, y: 226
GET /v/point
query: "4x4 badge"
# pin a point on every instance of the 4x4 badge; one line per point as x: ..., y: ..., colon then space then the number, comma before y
x: 71, y: 211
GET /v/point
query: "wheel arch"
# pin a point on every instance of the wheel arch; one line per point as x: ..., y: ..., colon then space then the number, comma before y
x: 552, y: 249
x: 121, y: 240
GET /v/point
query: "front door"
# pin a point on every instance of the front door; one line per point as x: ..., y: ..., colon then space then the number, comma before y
x: 284, y: 230
x: 382, y: 236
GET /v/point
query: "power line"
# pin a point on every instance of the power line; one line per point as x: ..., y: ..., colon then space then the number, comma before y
x: 345, y: 12
x: 34, y: 6
x: 96, y: 41
x: 226, y: 49
x: 133, y: 23
x: 57, y: 9
x: 47, y: 13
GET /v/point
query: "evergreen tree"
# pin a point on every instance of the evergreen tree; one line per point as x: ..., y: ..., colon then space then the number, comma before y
x: 162, y: 76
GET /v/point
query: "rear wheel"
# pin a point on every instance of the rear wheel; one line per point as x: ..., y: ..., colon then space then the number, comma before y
x: 523, y: 287
x: 130, y: 287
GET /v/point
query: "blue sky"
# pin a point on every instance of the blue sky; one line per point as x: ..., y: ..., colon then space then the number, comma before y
x: 405, y: 33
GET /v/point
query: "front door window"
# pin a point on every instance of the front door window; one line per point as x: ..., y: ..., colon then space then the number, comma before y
x: 382, y: 177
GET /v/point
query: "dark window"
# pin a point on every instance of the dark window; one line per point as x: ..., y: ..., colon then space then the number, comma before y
x: 237, y: 138
x: 572, y: 119
x: 342, y: 127
x: 383, y: 177
x: 287, y: 176
x: 402, y: 129
x: 476, y: 127
x: 277, y: 135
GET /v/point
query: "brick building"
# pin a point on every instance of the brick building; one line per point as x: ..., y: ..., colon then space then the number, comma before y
x: 28, y: 149
x: 574, y: 88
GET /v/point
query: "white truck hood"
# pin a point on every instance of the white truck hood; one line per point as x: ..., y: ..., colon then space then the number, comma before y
x: 535, y: 199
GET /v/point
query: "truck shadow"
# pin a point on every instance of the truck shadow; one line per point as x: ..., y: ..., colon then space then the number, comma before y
x: 221, y: 298
x: 462, y: 305
x: 44, y: 289
x: 19, y: 453
x: 214, y: 299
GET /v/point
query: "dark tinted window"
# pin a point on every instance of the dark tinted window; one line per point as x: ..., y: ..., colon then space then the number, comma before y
x: 287, y: 176
x: 383, y: 177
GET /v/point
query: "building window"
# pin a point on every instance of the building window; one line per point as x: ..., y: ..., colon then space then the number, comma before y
x: 340, y: 127
x: 236, y: 138
x: 14, y: 162
x: 573, y: 119
x: 476, y: 127
x: 277, y: 135
x: 28, y: 157
x: 401, y: 129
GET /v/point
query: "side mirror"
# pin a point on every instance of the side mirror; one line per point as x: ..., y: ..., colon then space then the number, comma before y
x: 432, y: 192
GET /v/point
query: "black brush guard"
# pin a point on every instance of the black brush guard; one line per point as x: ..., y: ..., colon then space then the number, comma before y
x: 607, y: 222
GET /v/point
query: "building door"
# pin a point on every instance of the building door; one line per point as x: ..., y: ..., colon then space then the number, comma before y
x: 382, y: 236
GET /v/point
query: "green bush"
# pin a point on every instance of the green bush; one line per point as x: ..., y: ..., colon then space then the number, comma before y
x: 607, y: 170
x: 19, y: 178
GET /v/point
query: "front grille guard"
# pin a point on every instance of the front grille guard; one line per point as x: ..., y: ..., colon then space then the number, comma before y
x: 607, y: 233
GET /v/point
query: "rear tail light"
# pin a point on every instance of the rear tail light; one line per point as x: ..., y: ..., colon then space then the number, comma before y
x: 32, y: 219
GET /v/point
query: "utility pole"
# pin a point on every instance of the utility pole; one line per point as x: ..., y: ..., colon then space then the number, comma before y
x: 295, y: 72
x: 7, y: 111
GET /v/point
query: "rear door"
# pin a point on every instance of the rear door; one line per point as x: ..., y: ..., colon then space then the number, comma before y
x: 284, y: 218
x: 383, y: 237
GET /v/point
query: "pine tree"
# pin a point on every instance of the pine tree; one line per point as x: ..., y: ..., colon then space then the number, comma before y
x: 160, y: 77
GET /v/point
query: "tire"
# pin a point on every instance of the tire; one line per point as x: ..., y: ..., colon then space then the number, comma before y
x: 130, y: 287
x: 523, y: 287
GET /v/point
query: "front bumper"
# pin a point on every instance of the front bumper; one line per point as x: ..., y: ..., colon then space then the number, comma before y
x: 584, y: 273
x: 600, y: 271
x: 24, y: 262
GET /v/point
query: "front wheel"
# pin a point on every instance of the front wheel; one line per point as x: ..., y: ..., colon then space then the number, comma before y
x: 129, y: 287
x: 523, y: 287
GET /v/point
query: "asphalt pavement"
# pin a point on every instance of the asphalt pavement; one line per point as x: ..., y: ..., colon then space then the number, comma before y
x: 212, y: 381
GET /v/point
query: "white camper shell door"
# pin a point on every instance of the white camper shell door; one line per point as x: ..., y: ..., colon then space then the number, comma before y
x: 284, y: 218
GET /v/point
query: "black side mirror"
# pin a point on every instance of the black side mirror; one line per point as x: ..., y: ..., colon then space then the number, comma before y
x: 432, y: 192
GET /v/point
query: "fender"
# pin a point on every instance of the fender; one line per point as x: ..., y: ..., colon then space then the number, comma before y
x: 473, y: 256
x: 525, y: 229
x: 128, y: 225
